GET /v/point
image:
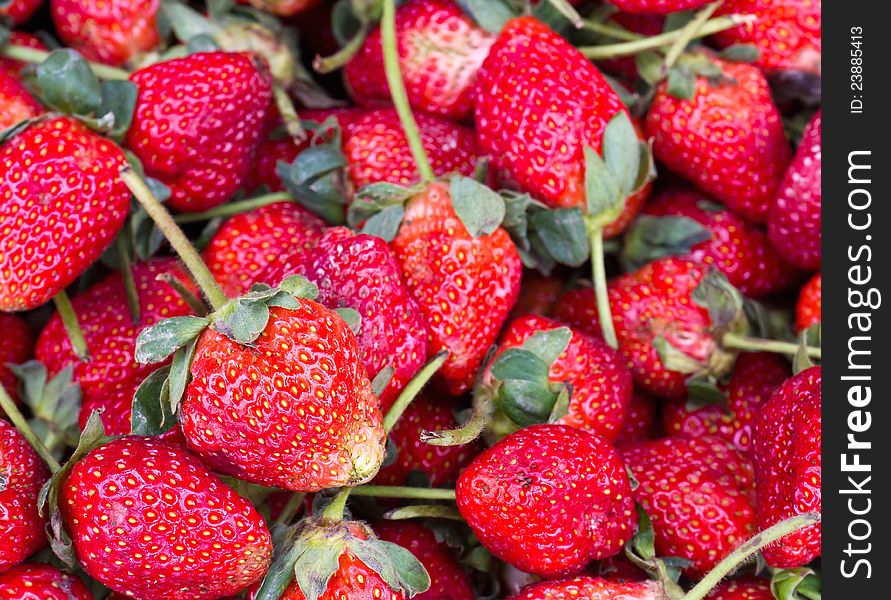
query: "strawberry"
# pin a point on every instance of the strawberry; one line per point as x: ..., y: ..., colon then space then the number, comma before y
x: 440, y: 51
x: 23, y: 474
x: 37, y: 581
x: 657, y: 7
x: 591, y: 588
x: 620, y: 569
x: 786, y: 33
x: 641, y: 422
x: 109, y: 380
x: 198, y: 138
x: 62, y: 199
x: 809, y: 309
x: 16, y: 103
x: 285, y: 8
x: 448, y: 581
x: 249, y: 243
x: 755, y: 377
x: 727, y: 138
x: 16, y: 346
x: 538, y: 294
x: 787, y: 445
x: 744, y: 588
x: 548, y: 499
x: 147, y: 519
x: 19, y: 11
x: 19, y: 38
x: 795, y: 220
x: 109, y: 31
x: 465, y: 286
x: 698, y: 494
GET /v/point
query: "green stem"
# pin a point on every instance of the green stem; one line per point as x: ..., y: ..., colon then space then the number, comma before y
x: 739, y: 556
x: 568, y: 10
x: 176, y: 237
x: 601, y: 291
x: 397, y: 90
x: 122, y: 247
x: 289, y: 509
x: 395, y: 491
x: 35, y: 56
x: 411, y: 390
x: 331, y: 63
x: 423, y: 511
x: 288, y: 113
x: 750, y: 344
x: 334, y: 511
x: 20, y: 423
x: 233, y: 208
x: 687, y: 33
x: 483, y: 407
x: 72, y: 327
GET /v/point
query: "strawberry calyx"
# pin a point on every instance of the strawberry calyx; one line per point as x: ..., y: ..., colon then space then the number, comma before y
x: 801, y: 583
x: 651, y: 237
x: 351, y: 22
x: 641, y: 551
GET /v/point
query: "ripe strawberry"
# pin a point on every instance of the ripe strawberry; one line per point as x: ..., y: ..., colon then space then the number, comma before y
x: 147, y: 519
x: 285, y: 8
x: 600, y: 383
x: 465, y: 286
x: 23, y: 474
x: 197, y: 123
x: 111, y: 377
x: 538, y: 294
x: 249, y: 243
x: 548, y: 499
x: 656, y: 7
x: 448, y: 581
x: 727, y: 139
x: 62, y: 199
x: 795, y: 220
x: 108, y: 31
x: 19, y: 11
x: 298, y: 396
x: 591, y: 588
x: 787, y: 466
x: 16, y: 346
x: 19, y: 38
x: 620, y: 569
x: 786, y: 33
x: 438, y: 464
x: 744, y: 588
x: 641, y: 422
x: 440, y: 51
x: 16, y: 103
x: 37, y: 581
x: 698, y: 492
x: 809, y: 309
x: 756, y: 375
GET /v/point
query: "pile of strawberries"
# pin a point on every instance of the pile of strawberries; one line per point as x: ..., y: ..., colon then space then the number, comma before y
x: 303, y: 299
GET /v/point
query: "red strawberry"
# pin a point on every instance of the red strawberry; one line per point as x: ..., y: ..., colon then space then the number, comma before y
x: 728, y: 139
x: 744, y: 588
x: 108, y: 31
x: 440, y: 51
x: 448, y: 581
x: 16, y: 103
x: 656, y: 7
x: 641, y: 422
x: 795, y: 220
x: 293, y: 410
x: 248, y: 244
x: 787, y: 466
x: 600, y: 383
x: 809, y: 309
x: 23, y: 474
x: 19, y: 11
x: 109, y: 380
x: 197, y: 123
x: 620, y: 569
x: 149, y: 520
x: 37, y: 581
x: 465, y: 286
x: 755, y: 377
x: 786, y: 32
x: 19, y: 38
x: 698, y: 492
x: 16, y: 346
x: 538, y: 294
x: 591, y: 588
x: 285, y: 8
x: 62, y: 199
x: 548, y: 499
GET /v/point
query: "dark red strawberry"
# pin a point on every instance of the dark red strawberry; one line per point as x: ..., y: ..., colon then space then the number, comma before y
x: 63, y: 202
x: 620, y: 569
x: 548, y: 499
x: 809, y: 309
x: 19, y: 11
x: 197, y: 124
x: 788, y: 434
x: 285, y: 8
x: 744, y: 588
x: 37, y: 581
x: 656, y: 7
x: 19, y: 38
x: 16, y: 103
x: 538, y: 294
x: 641, y: 422
x: 591, y: 588
x: 16, y: 346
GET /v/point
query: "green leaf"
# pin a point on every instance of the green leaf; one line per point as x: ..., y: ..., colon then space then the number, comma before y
x: 385, y: 224
x: 180, y: 371
x: 67, y: 83
x: 315, y: 177
x: 315, y: 567
x: 651, y: 237
x: 351, y: 317
x: 681, y: 83
x: 375, y: 198
x: 802, y: 583
x: 741, y: 53
x: 649, y: 66
x: 12, y: 131
x: 150, y: 415
x: 562, y: 235
x: 202, y: 43
x: 479, y: 207
x: 187, y: 22
x: 413, y: 577
x: 299, y: 287
x: 561, y: 405
x: 621, y: 152
x: 526, y: 402
x: 548, y: 345
x: 242, y: 320
x: 704, y: 391
x: 382, y: 380
x: 520, y: 364
x: 491, y: 15
x: 725, y: 304
x: 281, y: 571
x: 118, y: 99
x: 602, y: 190
x: 674, y: 358
x: 159, y: 341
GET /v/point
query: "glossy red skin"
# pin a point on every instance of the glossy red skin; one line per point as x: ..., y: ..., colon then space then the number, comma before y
x: 246, y: 246
x: 788, y: 435
x: 600, y: 382
x: 465, y: 286
x: 20, y: 11
x: 111, y: 377
x: 440, y: 51
x: 699, y: 494
x: 728, y: 139
x: 16, y: 103
x: 448, y: 580
x: 63, y: 201
x: 548, y: 499
x: 641, y: 422
x: 176, y: 529
x: 795, y: 219
x: 656, y: 7
x: 107, y: 31
x: 295, y: 410
x: 16, y: 346
x: 19, y: 38
x: 809, y: 308
x: 738, y: 249
x: 37, y: 581
x: 786, y: 33
x: 23, y: 474
x: 591, y: 588
x: 744, y: 588
x: 439, y: 464
x: 198, y: 122
x: 284, y: 8
x: 756, y: 375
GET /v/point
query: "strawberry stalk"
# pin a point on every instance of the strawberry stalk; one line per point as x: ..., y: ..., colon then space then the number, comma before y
x: 288, y: 113
x: 35, y: 56
x: 744, y: 552
x: 601, y: 291
x: 396, y: 491
x: 126, y: 269
x: 483, y: 407
x: 20, y: 423
x: 750, y: 344
x: 334, y: 511
x: 181, y: 244
x: 687, y: 33
x: 423, y: 511
x: 234, y: 208
x: 411, y: 390
x: 327, y: 64
x: 72, y: 327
